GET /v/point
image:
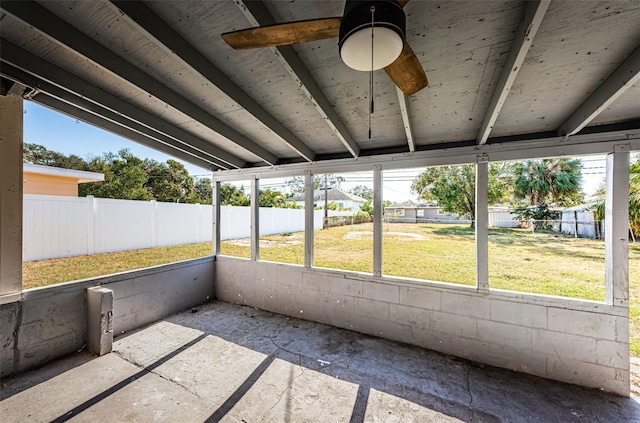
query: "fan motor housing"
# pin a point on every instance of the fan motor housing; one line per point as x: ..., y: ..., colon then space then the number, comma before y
x: 358, y: 16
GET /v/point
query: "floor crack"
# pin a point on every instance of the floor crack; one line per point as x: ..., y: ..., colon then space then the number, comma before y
x: 161, y: 376
x: 291, y: 382
x: 470, y: 393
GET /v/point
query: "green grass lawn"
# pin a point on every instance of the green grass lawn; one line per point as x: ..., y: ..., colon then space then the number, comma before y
x: 542, y: 263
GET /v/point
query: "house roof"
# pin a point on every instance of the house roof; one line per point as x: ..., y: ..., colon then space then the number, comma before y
x: 580, y: 207
x: 80, y: 175
x: 333, y: 194
x: 412, y: 206
x: 158, y: 72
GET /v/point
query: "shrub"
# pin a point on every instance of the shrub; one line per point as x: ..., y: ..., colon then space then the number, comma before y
x: 541, y: 215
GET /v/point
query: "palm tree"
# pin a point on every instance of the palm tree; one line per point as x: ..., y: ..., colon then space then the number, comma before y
x: 634, y: 199
x: 548, y: 181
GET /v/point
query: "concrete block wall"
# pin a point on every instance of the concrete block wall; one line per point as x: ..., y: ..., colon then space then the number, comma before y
x: 580, y: 342
x: 50, y: 322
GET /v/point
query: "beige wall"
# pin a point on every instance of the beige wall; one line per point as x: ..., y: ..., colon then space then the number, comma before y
x: 50, y: 185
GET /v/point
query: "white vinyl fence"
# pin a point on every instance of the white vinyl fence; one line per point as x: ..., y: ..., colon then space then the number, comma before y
x: 235, y: 222
x: 570, y: 222
x: 582, y: 222
x: 56, y: 226
x: 502, y: 218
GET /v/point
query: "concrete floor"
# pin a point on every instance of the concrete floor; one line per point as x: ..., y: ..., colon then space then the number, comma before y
x: 230, y: 363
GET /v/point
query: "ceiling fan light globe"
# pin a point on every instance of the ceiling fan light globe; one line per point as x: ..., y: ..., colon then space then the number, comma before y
x: 355, y: 50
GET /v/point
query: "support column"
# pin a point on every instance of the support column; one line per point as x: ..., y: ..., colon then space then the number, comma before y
x: 309, y: 220
x: 377, y: 221
x: 215, y: 217
x: 482, y: 223
x: 11, y: 184
x: 616, y: 227
x: 255, y: 219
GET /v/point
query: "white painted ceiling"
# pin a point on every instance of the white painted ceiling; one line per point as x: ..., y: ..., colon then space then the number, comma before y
x: 462, y: 45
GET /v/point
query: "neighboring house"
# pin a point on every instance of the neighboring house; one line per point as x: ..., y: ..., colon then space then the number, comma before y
x: 414, y: 213
x: 344, y: 200
x: 49, y: 180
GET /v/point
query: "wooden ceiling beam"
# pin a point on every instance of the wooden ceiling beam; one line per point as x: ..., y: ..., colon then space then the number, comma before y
x: 50, y: 78
x: 166, y: 37
x: 623, y: 78
x: 533, y: 15
x: 258, y: 15
x: 65, y: 35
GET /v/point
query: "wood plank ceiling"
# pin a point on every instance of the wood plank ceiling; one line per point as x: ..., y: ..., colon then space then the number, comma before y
x: 159, y: 74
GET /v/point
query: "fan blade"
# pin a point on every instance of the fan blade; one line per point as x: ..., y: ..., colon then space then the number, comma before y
x: 284, y: 34
x: 407, y: 73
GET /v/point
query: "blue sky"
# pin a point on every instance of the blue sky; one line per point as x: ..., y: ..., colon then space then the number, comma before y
x: 66, y: 135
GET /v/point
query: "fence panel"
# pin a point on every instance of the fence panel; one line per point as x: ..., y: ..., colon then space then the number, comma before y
x: 278, y: 221
x: 583, y: 220
x: 122, y: 225
x: 235, y: 222
x: 502, y: 219
x: 54, y: 227
x: 178, y: 224
x: 206, y: 224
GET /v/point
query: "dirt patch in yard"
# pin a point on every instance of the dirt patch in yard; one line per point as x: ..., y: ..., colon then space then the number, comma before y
x: 265, y: 243
x: 396, y: 236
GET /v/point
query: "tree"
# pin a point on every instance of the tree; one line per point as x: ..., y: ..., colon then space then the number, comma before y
x: 270, y: 198
x: 367, y: 206
x: 296, y: 184
x: 40, y: 155
x: 362, y: 191
x: 541, y: 215
x: 169, y: 181
x: 453, y: 187
x: 203, y: 191
x: 634, y: 199
x: 230, y: 195
x: 127, y: 177
x: 124, y: 177
x: 549, y: 181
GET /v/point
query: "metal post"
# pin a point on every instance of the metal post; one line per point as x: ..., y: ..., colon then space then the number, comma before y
x: 616, y: 227
x: 482, y: 223
x: 377, y: 221
x: 326, y: 204
x: 309, y: 220
x: 215, y: 217
x: 255, y: 219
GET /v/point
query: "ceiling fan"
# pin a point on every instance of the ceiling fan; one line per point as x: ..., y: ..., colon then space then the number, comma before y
x: 371, y: 36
